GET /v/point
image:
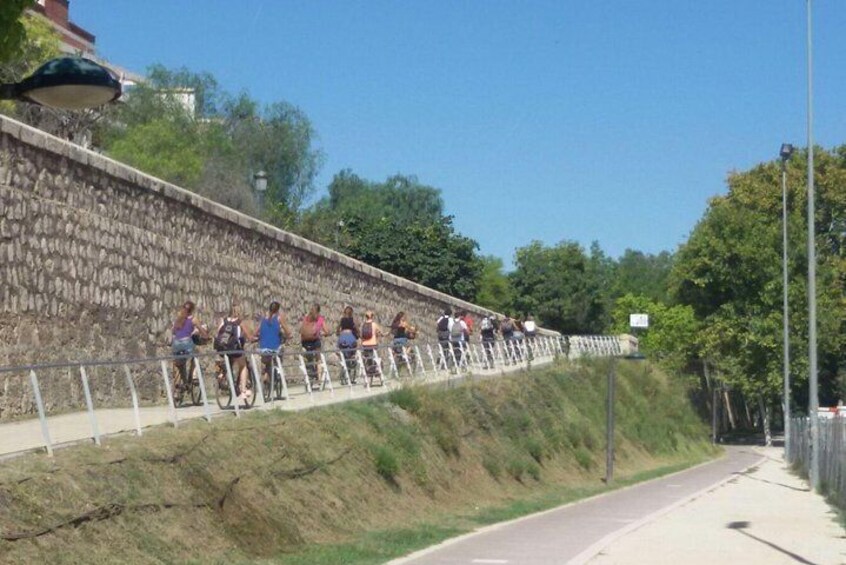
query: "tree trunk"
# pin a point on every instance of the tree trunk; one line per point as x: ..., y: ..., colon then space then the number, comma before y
x: 764, y: 410
x: 729, y: 410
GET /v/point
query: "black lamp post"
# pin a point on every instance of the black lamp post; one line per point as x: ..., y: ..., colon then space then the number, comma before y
x: 785, y: 153
x: 68, y: 83
x: 609, y: 414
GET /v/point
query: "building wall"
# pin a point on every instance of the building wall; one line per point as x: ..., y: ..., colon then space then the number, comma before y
x: 96, y: 256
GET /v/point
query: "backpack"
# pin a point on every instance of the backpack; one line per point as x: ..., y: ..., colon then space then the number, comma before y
x: 228, y: 337
x: 486, y: 325
x: 443, y: 324
x: 456, y: 331
x: 367, y: 330
x: 308, y: 331
x: 507, y: 327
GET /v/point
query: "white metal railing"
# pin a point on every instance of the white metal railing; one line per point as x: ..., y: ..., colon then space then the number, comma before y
x: 302, y: 378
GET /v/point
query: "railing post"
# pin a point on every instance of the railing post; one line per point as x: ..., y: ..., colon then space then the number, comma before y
x: 172, y: 405
x: 307, y: 378
x: 95, y: 430
x: 136, y: 411
x: 259, y: 376
x: 282, y: 377
x: 362, y: 369
x: 236, y: 402
x: 325, y: 377
x: 201, y: 381
x: 42, y: 417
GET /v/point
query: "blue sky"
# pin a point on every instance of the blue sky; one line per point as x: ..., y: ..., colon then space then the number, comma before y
x: 611, y: 120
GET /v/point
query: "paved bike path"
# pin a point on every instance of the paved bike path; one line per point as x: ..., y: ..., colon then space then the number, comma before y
x: 576, y: 532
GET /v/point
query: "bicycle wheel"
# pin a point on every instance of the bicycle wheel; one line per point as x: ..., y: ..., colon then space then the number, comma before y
x: 222, y: 392
x: 177, y: 383
x: 194, y: 384
x: 267, y: 384
x: 277, y: 385
x: 250, y: 400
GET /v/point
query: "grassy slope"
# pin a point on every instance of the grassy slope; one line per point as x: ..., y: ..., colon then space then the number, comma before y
x: 359, y: 482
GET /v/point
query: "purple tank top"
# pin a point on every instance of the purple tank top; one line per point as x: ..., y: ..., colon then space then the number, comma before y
x: 185, y: 331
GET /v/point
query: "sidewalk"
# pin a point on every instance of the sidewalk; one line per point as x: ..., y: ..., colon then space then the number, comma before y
x: 766, y: 515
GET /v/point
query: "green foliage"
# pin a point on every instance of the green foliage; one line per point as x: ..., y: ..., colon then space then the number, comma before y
x: 386, y: 461
x: 406, y: 398
x: 643, y: 274
x: 12, y: 32
x: 397, y: 226
x: 673, y: 332
x: 181, y: 126
x: 494, y: 289
x: 562, y: 286
x: 729, y: 273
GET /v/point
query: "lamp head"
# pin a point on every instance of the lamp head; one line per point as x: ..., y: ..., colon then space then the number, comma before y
x: 70, y: 83
x: 786, y: 151
x: 260, y: 179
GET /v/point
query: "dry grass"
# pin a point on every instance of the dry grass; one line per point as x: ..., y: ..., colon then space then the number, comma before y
x: 272, y: 485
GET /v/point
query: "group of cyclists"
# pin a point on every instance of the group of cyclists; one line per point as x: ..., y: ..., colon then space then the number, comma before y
x: 272, y: 332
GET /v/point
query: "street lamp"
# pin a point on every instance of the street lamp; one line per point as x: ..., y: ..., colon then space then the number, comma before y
x: 68, y: 83
x: 260, y: 183
x: 813, y: 398
x: 609, y: 414
x: 785, y: 153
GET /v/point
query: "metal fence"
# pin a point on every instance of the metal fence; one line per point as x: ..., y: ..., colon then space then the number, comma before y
x: 832, y: 454
x: 87, y: 400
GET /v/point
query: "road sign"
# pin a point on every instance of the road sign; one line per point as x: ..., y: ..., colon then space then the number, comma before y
x: 639, y: 320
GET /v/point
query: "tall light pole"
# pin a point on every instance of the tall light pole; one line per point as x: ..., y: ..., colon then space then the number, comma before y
x: 813, y: 399
x: 785, y: 154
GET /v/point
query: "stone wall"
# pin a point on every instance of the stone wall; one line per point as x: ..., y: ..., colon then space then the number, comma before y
x: 96, y: 256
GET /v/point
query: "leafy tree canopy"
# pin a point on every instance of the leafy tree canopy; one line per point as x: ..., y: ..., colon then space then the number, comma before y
x: 12, y: 32
x: 729, y: 273
x: 181, y: 126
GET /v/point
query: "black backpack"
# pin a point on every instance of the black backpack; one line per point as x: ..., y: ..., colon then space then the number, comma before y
x: 443, y: 328
x: 228, y: 337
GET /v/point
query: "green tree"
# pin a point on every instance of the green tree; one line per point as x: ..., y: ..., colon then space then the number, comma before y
x: 672, y: 336
x: 562, y: 286
x: 643, y: 274
x: 494, y: 289
x: 181, y: 126
x: 397, y: 225
x: 12, y: 31
x: 729, y: 272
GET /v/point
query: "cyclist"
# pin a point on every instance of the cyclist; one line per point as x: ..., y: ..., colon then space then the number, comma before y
x: 402, y: 332
x: 488, y: 331
x: 370, y: 334
x: 530, y: 330
x: 272, y: 333
x: 457, y: 332
x: 312, y: 331
x: 185, y: 326
x: 231, y: 336
x: 347, y: 332
x: 443, y: 325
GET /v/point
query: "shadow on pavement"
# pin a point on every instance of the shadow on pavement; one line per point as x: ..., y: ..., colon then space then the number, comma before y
x: 748, y: 475
x: 742, y: 525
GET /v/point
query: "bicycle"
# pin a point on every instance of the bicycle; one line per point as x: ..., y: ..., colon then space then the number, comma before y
x: 185, y: 379
x: 223, y: 391
x: 271, y: 383
x: 371, y: 365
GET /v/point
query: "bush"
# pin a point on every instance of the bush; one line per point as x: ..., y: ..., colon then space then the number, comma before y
x: 387, y: 463
x: 406, y: 398
x: 584, y: 458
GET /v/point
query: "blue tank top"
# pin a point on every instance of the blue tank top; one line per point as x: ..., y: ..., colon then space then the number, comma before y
x: 269, y: 333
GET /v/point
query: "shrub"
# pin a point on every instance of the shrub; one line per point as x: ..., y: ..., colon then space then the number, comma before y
x: 387, y: 463
x: 406, y: 398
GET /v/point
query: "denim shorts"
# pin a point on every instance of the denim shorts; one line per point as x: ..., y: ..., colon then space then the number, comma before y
x: 183, y: 346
